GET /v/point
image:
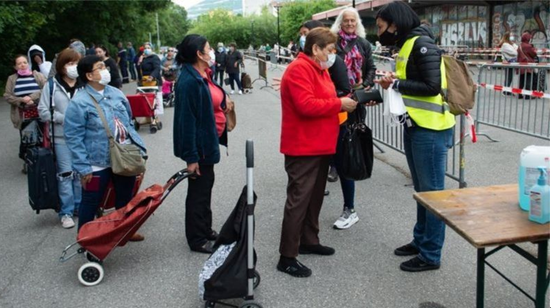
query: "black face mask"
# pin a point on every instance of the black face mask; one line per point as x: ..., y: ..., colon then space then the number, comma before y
x: 388, y: 38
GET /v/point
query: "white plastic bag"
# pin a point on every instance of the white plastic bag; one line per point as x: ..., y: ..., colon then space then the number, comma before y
x: 393, y: 107
x: 159, y: 108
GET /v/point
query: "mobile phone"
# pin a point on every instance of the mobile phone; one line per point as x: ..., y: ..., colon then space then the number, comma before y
x: 93, y: 185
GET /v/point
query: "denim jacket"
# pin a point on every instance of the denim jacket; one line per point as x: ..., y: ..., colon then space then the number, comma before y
x: 84, y: 132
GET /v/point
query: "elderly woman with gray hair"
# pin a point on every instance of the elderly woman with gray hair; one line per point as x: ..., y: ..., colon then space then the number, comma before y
x: 355, y: 50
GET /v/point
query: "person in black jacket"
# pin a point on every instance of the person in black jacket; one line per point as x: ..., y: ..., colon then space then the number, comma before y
x: 221, y: 57
x: 233, y: 62
x: 112, y: 67
x: 354, y: 49
x: 355, y: 52
x: 151, y: 65
x: 428, y: 124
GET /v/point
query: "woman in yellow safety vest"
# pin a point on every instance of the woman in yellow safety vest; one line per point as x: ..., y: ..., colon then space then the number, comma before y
x: 428, y: 124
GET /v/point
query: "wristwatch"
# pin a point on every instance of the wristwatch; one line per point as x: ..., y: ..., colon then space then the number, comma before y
x: 395, y: 84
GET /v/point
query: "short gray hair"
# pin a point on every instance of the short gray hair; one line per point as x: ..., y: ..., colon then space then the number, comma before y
x: 336, y: 27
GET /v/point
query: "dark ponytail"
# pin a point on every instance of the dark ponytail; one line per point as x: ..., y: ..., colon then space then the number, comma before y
x: 187, y: 49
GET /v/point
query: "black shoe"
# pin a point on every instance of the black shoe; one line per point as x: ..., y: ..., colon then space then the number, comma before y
x: 418, y: 265
x: 213, y: 236
x: 292, y: 267
x: 205, y: 248
x: 316, y: 250
x: 332, y: 176
x: 406, y: 250
x: 326, y: 193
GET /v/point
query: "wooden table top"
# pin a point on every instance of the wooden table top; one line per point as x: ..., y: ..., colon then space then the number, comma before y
x: 484, y: 216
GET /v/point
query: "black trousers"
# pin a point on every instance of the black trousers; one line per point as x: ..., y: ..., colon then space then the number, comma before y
x: 235, y: 77
x: 220, y: 76
x: 198, y: 210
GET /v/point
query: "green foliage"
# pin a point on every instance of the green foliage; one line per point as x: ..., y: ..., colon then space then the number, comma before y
x: 294, y: 14
x: 222, y: 26
x: 51, y: 24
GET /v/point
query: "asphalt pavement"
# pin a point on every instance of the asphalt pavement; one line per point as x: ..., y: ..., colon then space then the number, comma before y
x: 162, y: 272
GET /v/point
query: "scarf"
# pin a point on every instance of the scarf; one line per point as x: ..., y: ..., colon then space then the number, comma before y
x: 353, y: 59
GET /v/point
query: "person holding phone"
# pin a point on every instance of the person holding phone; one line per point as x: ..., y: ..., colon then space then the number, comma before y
x: 87, y: 139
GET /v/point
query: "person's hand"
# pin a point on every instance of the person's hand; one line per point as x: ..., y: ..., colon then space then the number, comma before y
x: 229, y: 105
x: 85, y: 179
x: 385, y: 81
x: 235, y: 65
x: 276, y: 83
x: 38, y: 59
x: 194, y: 168
x: 149, y: 78
x: 505, y: 61
x: 348, y: 104
x: 28, y: 100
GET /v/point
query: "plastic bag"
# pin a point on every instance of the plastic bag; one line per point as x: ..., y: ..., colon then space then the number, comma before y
x: 393, y: 107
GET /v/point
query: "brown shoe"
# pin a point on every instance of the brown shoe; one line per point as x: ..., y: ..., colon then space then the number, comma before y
x: 136, y: 237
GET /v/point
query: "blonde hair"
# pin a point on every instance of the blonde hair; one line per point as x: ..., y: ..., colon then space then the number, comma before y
x: 360, y: 30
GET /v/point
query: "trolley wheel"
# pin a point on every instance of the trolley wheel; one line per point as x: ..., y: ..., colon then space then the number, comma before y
x: 250, y: 304
x: 159, y: 125
x: 209, y: 304
x: 91, y: 258
x: 90, y: 274
x: 152, y: 129
x: 136, y: 124
x: 256, y: 279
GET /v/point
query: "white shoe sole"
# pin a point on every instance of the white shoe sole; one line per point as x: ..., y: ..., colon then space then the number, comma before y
x: 348, y: 225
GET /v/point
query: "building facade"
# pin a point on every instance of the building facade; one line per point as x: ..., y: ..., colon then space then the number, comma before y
x: 478, y: 24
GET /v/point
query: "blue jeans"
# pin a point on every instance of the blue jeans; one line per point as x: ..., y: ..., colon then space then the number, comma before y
x: 348, y: 187
x: 92, y: 196
x: 69, y: 188
x: 426, y: 153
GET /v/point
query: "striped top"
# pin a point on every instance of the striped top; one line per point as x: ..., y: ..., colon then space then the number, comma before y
x: 25, y: 85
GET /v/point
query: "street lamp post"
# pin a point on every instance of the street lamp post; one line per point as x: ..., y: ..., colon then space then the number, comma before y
x: 278, y: 45
x: 252, y: 33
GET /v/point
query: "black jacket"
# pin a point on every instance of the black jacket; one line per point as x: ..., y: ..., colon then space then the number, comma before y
x: 220, y: 60
x: 116, y: 80
x: 151, y: 66
x: 368, y: 67
x: 339, y: 76
x: 423, y: 67
x: 233, y: 57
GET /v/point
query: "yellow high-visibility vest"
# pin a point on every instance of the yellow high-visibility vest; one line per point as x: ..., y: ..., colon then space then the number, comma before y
x: 430, y: 112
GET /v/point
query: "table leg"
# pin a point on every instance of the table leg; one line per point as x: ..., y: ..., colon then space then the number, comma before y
x: 480, y: 265
x: 541, y: 280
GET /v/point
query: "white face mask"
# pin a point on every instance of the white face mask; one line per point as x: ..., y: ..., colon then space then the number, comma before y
x: 72, y: 72
x: 330, y: 61
x: 212, y: 58
x: 105, y: 77
x: 302, y: 41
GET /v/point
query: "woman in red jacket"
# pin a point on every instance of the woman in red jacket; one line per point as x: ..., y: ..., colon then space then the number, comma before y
x: 309, y: 130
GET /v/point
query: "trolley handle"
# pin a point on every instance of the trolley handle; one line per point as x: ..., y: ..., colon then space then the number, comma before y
x: 249, y: 153
x: 175, y: 180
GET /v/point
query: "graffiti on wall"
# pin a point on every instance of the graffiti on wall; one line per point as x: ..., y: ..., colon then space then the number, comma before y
x: 520, y: 17
x: 469, y: 32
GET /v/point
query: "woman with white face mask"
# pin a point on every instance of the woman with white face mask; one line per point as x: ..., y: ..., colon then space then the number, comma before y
x: 88, y: 142
x: 59, y: 90
x: 310, y: 126
x: 199, y: 130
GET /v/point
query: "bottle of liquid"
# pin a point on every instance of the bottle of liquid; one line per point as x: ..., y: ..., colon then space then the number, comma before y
x: 539, y: 199
x: 530, y: 159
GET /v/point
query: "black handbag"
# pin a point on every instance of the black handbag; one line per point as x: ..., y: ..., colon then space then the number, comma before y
x: 356, y: 159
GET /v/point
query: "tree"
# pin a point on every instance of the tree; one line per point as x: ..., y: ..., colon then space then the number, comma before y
x: 294, y: 14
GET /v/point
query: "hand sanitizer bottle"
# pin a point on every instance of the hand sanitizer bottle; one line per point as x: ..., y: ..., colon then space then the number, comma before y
x: 539, y: 199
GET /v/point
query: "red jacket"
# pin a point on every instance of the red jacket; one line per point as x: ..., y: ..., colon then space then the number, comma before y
x: 310, y: 108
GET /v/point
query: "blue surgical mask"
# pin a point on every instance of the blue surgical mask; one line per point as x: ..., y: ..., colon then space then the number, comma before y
x: 221, y: 49
x: 302, y: 41
x: 147, y: 52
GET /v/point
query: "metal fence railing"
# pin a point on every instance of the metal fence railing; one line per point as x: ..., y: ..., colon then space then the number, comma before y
x: 514, y: 97
x: 393, y: 137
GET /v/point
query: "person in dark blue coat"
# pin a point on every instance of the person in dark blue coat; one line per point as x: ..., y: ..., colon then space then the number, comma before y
x: 199, y: 129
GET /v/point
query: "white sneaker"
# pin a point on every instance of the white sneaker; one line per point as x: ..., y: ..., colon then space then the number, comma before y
x: 348, y: 219
x: 67, y: 222
x: 232, y: 92
x: 240, y: 92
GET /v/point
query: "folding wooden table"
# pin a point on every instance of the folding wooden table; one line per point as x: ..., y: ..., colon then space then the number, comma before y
x: 491, y: 216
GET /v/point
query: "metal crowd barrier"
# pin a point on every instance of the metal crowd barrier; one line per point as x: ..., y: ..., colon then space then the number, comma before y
x: 513, y: 97
x: 393, y: 137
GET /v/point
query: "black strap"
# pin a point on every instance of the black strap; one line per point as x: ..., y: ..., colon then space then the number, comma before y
x: 52, y: 124
x: 350, y: 45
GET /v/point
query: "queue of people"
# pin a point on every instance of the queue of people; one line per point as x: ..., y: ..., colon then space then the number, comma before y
x: 315, y: 98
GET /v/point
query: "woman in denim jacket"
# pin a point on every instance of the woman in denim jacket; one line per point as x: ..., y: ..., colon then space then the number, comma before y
x: 88, y: 142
